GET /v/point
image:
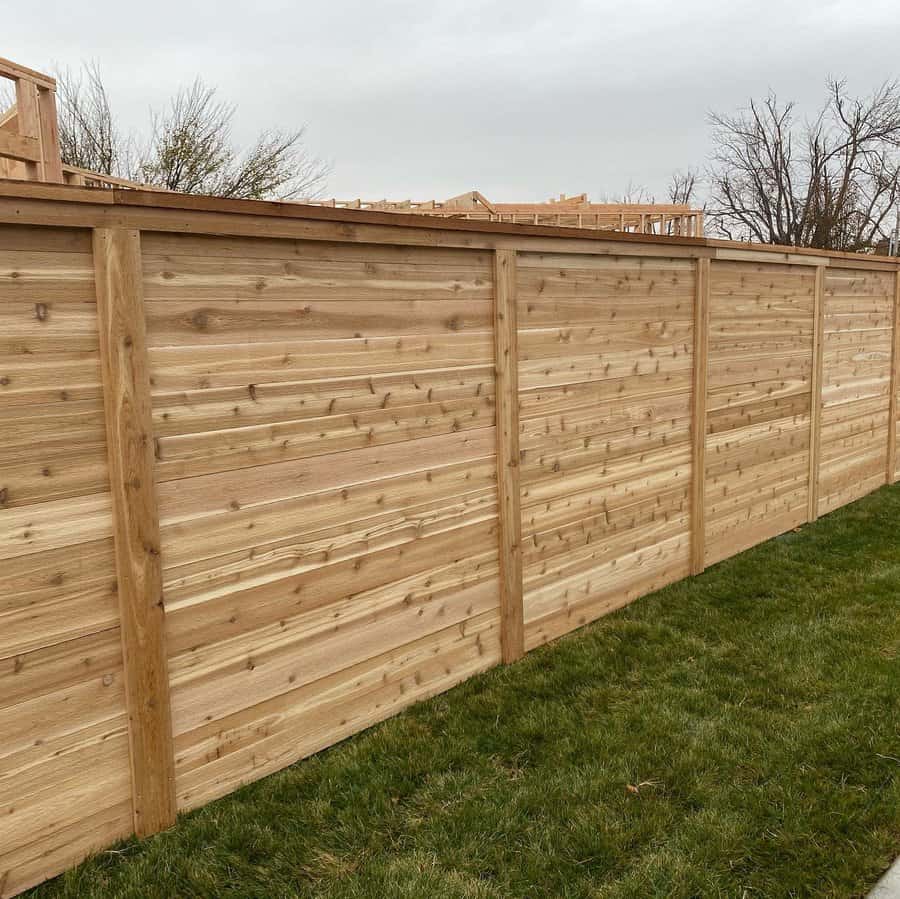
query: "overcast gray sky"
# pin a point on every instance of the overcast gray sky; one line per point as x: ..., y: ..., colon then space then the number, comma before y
x: 519, y: 99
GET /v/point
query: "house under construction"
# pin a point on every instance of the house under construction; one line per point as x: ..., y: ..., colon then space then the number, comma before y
x: 29, y: 150
x: 575, y: 212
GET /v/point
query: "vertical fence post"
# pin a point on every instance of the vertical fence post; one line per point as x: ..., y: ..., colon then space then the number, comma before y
x: 506, y: 392
x: 815, y: 396
x: 698, y: 417
x: 892, y: 402
x: 129, y: 437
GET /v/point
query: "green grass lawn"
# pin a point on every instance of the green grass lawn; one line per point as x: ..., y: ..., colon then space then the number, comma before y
x: 736, y: 734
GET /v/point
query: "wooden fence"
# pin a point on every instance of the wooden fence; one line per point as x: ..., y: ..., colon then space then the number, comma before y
x: 268, y: 473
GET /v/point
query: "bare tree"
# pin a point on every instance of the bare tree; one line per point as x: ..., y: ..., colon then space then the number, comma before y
x: 829, y: 183
x: 190, y: 148
x: 89, y: 135
x: 633, y: 193
x: 683, y: 187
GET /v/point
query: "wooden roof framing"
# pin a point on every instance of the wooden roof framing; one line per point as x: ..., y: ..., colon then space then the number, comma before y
x: 573, y: 211
x: 30, y: 151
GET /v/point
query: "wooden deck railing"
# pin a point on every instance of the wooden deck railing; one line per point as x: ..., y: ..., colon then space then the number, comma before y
x: 29, y: 139
x: 29, y: 136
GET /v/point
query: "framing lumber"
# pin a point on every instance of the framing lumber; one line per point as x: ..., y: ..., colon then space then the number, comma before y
x: 49, y: 131
x: 29, y: 131
x: 576, y: 211
x: 24, y: 149
x: 13, y: 71
x: 29, y: 121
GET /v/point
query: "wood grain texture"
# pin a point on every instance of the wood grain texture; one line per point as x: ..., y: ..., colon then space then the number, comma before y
x: 891, y: 474
x: 815, y: 424
x: 325, y: 454
x: 49, y: 126
x: 761, y: 332
x: 856, y: 384
x: 29, y: 119
x: 64, y: 761
x: 698, y: 417
x: 506, y: 387
x: 123, y: 355
x: 323, y: 409
x: 605, y: 413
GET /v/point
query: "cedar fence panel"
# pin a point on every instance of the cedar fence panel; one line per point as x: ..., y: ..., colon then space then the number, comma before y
x: 270, y: 473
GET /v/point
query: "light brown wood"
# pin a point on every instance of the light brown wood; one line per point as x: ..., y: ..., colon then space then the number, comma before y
x: 129, y: 435
x: 698, y: 417
x: 506, y: 389
x: 605, y: 448
x: 49, y: 126
x: 14, y: 71
x: 29, y: 131
x: 758, y: 402
x: 15, y: 146
x: 574, y: 212
x: 29, y: 119
x: 151, y: 210
x: 815, y: 420
x: 891, y: 474
x: 328, y: 404
x: 856, y: 383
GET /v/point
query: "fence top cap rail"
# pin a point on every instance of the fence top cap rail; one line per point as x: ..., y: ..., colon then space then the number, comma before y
x: 32, y: 191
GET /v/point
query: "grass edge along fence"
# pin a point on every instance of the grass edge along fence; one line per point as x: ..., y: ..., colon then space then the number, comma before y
x: 272, y: 472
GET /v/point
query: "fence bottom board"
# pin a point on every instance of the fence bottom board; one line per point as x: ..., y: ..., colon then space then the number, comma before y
x: 263, y: 739
x: 850, y: 493
x: 743, y: 539
x: 34, y: 863
x: 579, y: 613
